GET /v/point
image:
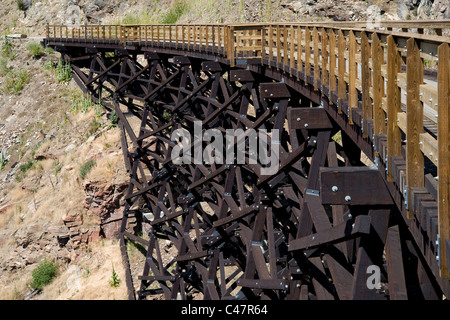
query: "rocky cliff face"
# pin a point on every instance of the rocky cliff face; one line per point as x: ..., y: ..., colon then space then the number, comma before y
x: 76, y: 12
x: 342, y: 10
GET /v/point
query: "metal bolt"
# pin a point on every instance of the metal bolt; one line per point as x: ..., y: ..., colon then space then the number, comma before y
x: 306, y: 125
x: 298, y: 119
x: 334, y: 188
x: 348, y: 198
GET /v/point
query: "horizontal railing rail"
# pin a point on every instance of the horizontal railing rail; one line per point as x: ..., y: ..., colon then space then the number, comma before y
x: 396, y: 73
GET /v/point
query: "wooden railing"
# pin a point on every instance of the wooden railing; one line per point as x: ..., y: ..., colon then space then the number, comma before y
x: 379, y: 68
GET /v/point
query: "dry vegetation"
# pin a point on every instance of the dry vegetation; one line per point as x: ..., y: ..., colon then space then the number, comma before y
x: 41, y: 183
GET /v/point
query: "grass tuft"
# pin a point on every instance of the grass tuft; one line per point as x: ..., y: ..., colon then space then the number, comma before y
x: 179, y: 8
x: 86, y: 167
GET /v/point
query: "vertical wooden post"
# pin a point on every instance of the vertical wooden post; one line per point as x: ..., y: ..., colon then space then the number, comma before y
x: 188, y: 37
x: 206, y: 37
x: 263, y: 44
x: 379, y: 123
x: 219, y: 44
x: 270, y: 44
x: 394, y: 141
x: 164, y: 35
x: 157, y: 35
x: 316, y: 57
x: 278, y: 47
x: 414, y: 120
x: 152, y: 35
x: 365, y: 78
x: 231, y: 46
x: 213, y: 35
x: 225, y: 40
x: 324, y: 52
x: 285, y: 47
x: 352, y: 74
x: 192, y: 35
x: 332, y: 51
x: 342, y: 91
x: 291, y: 49
x: 307, y: 53
x: 299, y: 50
x: 170, y: 35
x: 444, y: 155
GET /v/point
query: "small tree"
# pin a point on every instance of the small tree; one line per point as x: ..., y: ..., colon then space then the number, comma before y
x: 115, y: 281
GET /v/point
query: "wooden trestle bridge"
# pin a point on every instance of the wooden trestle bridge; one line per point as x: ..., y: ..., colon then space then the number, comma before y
x: 362, y: 190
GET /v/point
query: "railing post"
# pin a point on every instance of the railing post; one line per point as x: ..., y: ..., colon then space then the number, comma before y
x: 206, y: 38
x: 444, y: 155
x: 365, y: 83
x: 263, y: 44
x: 157, y: 36
x: 270, y: 44
x: 164, y: 35
x: 285, y: 47
x: 299, y: 51
x: 316, y: 57
x: 194, y: 38
x: 332, y: 51
x: 394, y: 141
x: 342, y: 91
x: 324, y: 79
x: 414, y: 120
x: 278, y: 47
x: 230, y: 52
x: 291, y: 49
x: 352, y: 74
x: 307, y: 53
x: 182, y: 37
x: 379, y: 123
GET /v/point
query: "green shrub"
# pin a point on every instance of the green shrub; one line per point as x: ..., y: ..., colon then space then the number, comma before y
x: 86, y: 167
x: 63, y: 71
x: 4, y: 69
x: 114, y: 119
x: 36, y: 49
x: 20, y: 5
x: 23, y: 169
x: 3, y: 159
x: 180, y: 7
x: 16, y: 81
x: 7, y: 49
x: 43, y: 274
